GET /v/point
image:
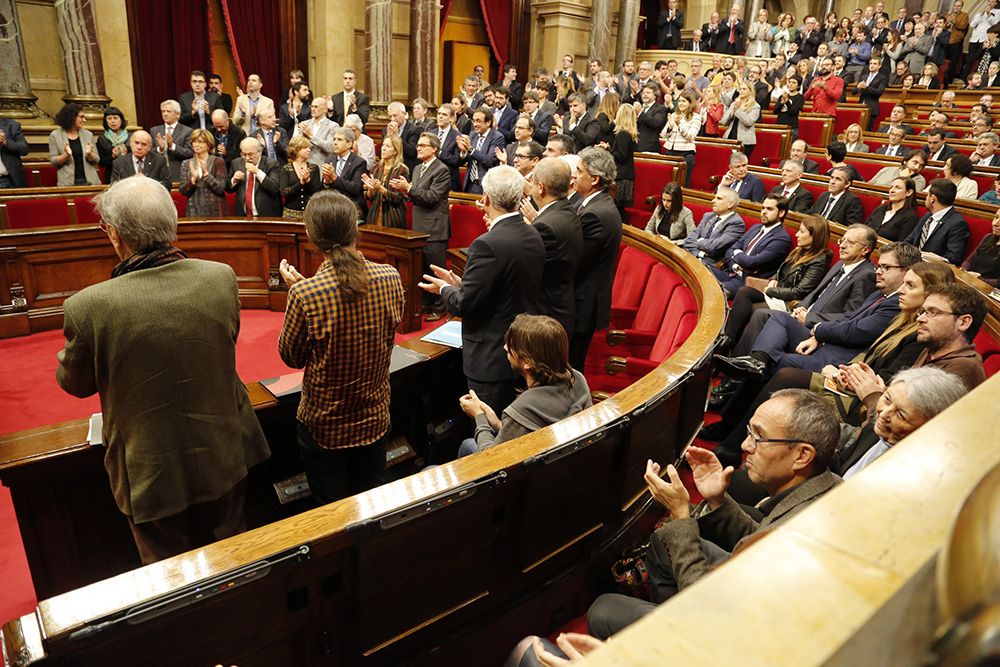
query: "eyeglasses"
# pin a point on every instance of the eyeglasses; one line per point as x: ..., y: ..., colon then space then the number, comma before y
x: 756, y: 441
x: 886, y: 267
x: 521, y: 157
x: 846, y: 241
x: 934, y: 312
x: 423, y: 145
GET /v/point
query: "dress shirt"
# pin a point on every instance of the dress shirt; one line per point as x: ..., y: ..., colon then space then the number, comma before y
x: 831, y: 203
x: 931, y: 225
x: 589, y: 197
x: 877, y: 450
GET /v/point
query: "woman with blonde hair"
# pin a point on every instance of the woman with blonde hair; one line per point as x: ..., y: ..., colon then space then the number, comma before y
x: 204, y: 178
x: 711, y: 112
x: 741, y: 117
x: 387, y: 206
x: 854, y: 139
x: 622, y: 148
x: 607, y: 111
x: 300, y: 179
x: 928, y: 77
x: 680, y: 131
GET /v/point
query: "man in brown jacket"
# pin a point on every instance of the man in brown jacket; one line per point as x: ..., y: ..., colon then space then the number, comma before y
x: 158, y: 343
x: 790, y: 441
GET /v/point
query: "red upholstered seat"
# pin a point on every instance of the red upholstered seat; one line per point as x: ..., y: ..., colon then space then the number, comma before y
x: 815, y: 188
x: 866, y: 168
x: 989, y: 350
x: 466, y: 225
x: 884, y: 109
x: 772, y: 146
x: 984, y: 181
x: 698, y: 210
x: 650, y: 177
x: 979, y: 226
x: 28, y: 213
x: 869, y: 202
x: 847, y: 116
x: 824, y: 164
x: 86, y: 214
x: 815, y: 131
x: 47, y: 175
x: 180, y: 202
x: 631, y: 276
x: 770, y: 181
x: 710, y: 160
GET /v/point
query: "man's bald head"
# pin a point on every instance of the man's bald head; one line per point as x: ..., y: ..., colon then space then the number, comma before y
x: 141, y: 143
x: 220, y: 120
x: 554, y: 174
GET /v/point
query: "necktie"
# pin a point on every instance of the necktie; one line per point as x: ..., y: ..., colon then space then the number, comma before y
x: 138, y: 166
x: 925, y: 232
x: 269, y: 139
x: 248, y: 202
x: 474, y: 169
x: 786, y: 193
x: 253, y: 116
x: 830, y: 203
x: 340, y: 165
x: 869, y: 81
x: 201, y: 114
x: 755, y: 240
x: 827, y: 291
x: 697, y: 46
x: 736, y: 185
x: 732, y: 33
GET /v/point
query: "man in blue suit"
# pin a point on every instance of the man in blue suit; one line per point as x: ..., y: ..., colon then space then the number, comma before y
x: 504, y: 117
x: 942, y: 233
x: 478, y: 151
x: 761, y: 250
x: 13, y: 146
x: 739, y: 178
x: 718, y: 230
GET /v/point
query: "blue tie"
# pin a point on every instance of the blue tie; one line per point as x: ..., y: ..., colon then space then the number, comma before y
x: 269, y: 138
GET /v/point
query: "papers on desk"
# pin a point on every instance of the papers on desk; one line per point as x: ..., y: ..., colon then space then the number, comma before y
x: 95, y: 435
x: 449, y: 333
x: 776, y: 304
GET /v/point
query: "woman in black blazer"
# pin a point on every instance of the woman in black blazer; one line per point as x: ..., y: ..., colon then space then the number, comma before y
x: 896, y: 218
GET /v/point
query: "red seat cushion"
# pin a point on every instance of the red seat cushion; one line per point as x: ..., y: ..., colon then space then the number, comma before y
x: 978, y: 228
x: 180, y: 202
x: 678, y: 323
x: 771, y: 147
x: 814, y: 132
x: 710, y: 160
x: 86, y: 214
x: 989, y: 350
x: 631, y: 276
x: 466, y: 225
x: 29, y: 213
x: 47, y: 175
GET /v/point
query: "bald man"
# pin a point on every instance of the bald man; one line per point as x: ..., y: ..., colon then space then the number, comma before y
x: 143, y: 160
x: 227, y: 137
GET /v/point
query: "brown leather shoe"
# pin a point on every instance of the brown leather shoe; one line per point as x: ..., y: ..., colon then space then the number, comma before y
x: 433, y: 317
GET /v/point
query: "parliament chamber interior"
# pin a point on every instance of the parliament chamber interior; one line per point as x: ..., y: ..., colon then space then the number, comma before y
x: 851, y: 138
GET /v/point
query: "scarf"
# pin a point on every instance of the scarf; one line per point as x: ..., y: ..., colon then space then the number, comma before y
x: 159, y: 255
x: 116, y: 138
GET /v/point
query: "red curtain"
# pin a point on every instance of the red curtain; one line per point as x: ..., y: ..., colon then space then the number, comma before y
x: 254, y: 34
x: 169, y: 39
x: 445, y: 10
x: 498, y: 18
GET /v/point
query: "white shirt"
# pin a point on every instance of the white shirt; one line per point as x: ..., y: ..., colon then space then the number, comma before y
x: 494, y: 221
x: 589, y: 197
x: 877, y: 450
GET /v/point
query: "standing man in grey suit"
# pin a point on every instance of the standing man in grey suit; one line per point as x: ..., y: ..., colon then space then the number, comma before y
x: 319, y: 131
x: 429, y: 194
x: 501, y: 280
x: 141, y: 161
x: 601, y: 226
x: 173, y: 140
x: 13, y: 146
x: 254, y: 178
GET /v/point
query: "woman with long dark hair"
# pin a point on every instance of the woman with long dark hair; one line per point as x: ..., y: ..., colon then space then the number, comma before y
x: 114, y: 142
x: 896, y: 218
x: 671, y: 219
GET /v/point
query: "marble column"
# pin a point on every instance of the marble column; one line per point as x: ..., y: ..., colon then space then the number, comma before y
x: 378, y: 50
x: 628, y: 33
x: 16, y: 100
x: 82, y: 56
x: 423, y: 38
x: 600, y: 31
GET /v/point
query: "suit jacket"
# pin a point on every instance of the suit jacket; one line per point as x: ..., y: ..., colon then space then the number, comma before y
x: 896, y: 228
x: 481, y: 160
x: 601, y: 226
x: 232, y: 137
x: 586, y: 132
x: 843, y: 298
x: 883, y: 150
x: 506, y: 121
x: 916, y: 55
x: 429, y: 193
x: 186, y: 99
x: 226, y: 103
x: 799, y: 201
x: 180, y: 151
x: 948, y: 239
x: 710, y: 240
x: 502, y: 279
x: 710, y: 36
x: 723, y: 42
x: 154, y: 166
x: 188, y: 434
x: 338, y: 114
x: 752, y: 188
x: 766, y: 255
x: 870, y: 94
x: 279, y: 140
x: 266, y: 191
x: 810, y: 166
x: 516, y: 95
x: 650, y: 123
x: 321, y: 141
x: 409, y: 134
x: 349, y: 182
x: 668, y: 30
x: 559, y: 227
x: 845, y: 457
x: 943, y: 154
x: 242, y: 120
x: 994, y: 161
x: 543, y: 126
x: 452, y: 156
x: 809, y: 44
x: 287, y: 121
x: 847, y: 211
x: 861, y: 327
x: 12, y: 152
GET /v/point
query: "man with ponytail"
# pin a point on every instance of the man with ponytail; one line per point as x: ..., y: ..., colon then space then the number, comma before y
x: 340, y: 326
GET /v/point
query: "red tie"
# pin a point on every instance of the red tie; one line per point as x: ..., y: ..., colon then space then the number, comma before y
x: 249, y: 198
x: 756, y: 239
x: 786, y: 193
x: 732, y: 33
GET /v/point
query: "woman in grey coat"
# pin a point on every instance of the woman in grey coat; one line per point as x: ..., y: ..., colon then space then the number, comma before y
x: 72, y: 149
x: 741, y: 117
x: 671, y: 218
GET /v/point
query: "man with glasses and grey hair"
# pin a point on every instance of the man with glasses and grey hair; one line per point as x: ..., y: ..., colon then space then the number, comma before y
x: 502, y: 279
x: 254, y: 178
x: 158, y: 343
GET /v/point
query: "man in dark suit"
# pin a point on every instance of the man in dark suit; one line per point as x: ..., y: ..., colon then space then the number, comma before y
x: 227, y: 137
x: 942, y: 39
x: 349, y: 100
x: 747, y: 185
x: 580, y: 125
x: 798, y: 152
x: 936, y: 148
x: 225, y: 99
x: 141, y: 161
x: 650, y: 119
x: 871, y: 86
x: 559, y: 226
x: 254, y: 178
x: 299, y: 111
x: 696, y: 44
x: 669, y: 26
x: 810, y: 37
x: 895, y: 147
x: 273, y: 139
x: 542, y: 120
x: 942, y: 234
x: 407, y: 131
x: 896, y: 118
x: 479, y: 151
x: 799, y: 198
x: 502, y: 279
x: 838, y: 204
x: 711, y: 33
x: 173, y: 139
x: 516, y: 90
x: 760, y: 251
x: 429, y: 193
x: 198, y: 103
x: 13, y: 146
x: 717, y: 230
x: 342, y: 171
x: 733, y: 29
x: 504, y: 117
x: 449, y: 152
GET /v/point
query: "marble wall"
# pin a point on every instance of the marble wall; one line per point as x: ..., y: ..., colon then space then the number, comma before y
x: 46, y: 71
x: 112, y: 31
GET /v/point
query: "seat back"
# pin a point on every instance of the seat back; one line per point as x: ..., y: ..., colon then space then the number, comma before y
x: 466, y: 224
x: 815, y: 130
x: 86, y: 213
x: 773, y: 144
x: 631, y: 276
x: 651, y: 174
x: 678, y: 323
x: 42, y: 212
x: 180, y: 202
x: 711, y: 159
x: 659, y: 291
x: 848, y: 114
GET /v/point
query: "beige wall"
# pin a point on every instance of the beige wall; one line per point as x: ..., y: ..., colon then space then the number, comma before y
x: 112, y: 31
x: 46, y: 71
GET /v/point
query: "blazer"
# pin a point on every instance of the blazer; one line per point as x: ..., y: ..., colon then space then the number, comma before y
x: 795, y: 281
x: 948, y: 239
x: 723, y: 40
x: 601, y: 226
x: 192, y: 120
x: 287, y: 121
x: 502, y: 279
x: 559, y: 227
x: 799, y: 201
x: 266, y: 191
x: 744, y: 121
x: 847, y: 211
x: 765, y: 257
x: 896, y: 228
x: 843, y: 298
x: 279, y: 139
x: 12, y: 152
x: 846, y: 456
x: 429, y: 194
x: 649, y: 124
x: 711, y: 36
x: 810, y: 166
x: 362, y: 107
x: 710, y: 240
x: 481, y: 160
x: 233, y: 137
x: 862, y: 326
x: 65, y: 172
x: 189, y: 435
x: 752, y: 188
x: 586, y: 132
x: 870, y: 94
x: 349, y: 182
x: 543, y: 126
x: 450, y: 154
x: 943, y: 154
x: 154, y: 166
x: 668, y: 30
x: 226, y: 103
x: 242, y: 120
x: 180, y: 151
x: 915, y: 56
x: 506, y: 121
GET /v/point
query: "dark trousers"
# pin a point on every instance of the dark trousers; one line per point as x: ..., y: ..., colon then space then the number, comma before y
x: 972, y: 59
x: 955, y: 66
x: 497, y: 395
x: 338, y: 473
x: 743, y: 305
x: 781, y: 334
x: 758, y: 318
x: 579, y: 343
x: 689, y: 159
x: 748, y: 149
x: 436, y: 253
x: 197, y: 526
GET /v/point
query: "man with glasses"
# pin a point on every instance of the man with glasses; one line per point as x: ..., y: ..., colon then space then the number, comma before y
x: 790, y: 441
x: 524, y: 128
x: 198, y: 103
x: 254, y: 178
x: 937, y: 149
x: 141, y: 160
x: 526, y: 157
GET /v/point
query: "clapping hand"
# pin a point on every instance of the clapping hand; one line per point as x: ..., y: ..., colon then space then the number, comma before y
x: 237, y: 177
x: 861, y: 379
x: 528, y: 211
x: 501, y: 154
x: 288, y: 273
x: 670, y: 492
x: 441, y: 278
x: 401, y: 184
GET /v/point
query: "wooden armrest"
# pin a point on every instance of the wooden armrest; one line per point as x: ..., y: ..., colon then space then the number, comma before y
x: 598, y: 396
x: 714, y: 180
x: 651, y: 200
x: 638, y: 337
x: 615, y: 336
x: 615, y: 365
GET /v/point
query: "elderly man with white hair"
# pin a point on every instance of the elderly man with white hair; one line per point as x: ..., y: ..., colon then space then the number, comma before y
x: 173, y: 138
x: 363, y: 144
x: 155, y: 340
x: 255, y: 179
x: 502, y: 279
x: 141, y: 160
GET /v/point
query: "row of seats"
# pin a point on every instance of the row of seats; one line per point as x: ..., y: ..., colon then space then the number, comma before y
x: 43, y: 174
